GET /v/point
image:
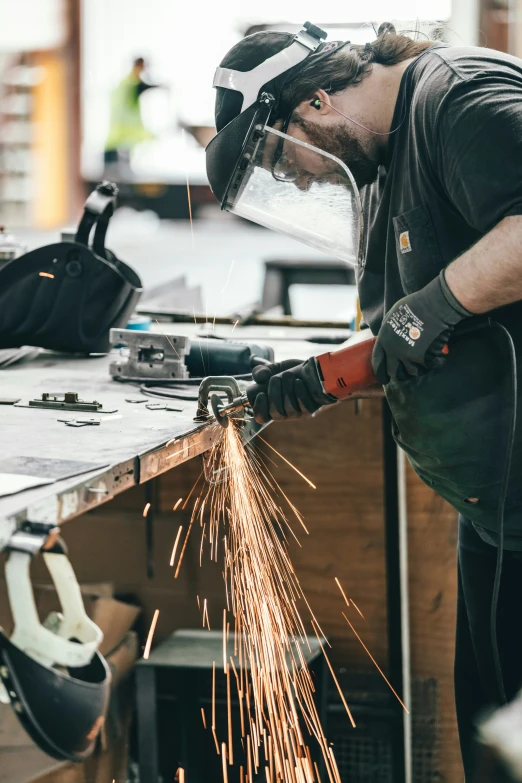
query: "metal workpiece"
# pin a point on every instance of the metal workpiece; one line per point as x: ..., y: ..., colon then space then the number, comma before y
x: 220, y: 385
x: 147, y: 356
x: 212, y: 409
x: 66, y: 401
x: 80, y: 422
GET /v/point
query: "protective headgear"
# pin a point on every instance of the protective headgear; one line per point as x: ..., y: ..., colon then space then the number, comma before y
x: 67, y: 296
x: 52, y: 674
x: 259, y: 172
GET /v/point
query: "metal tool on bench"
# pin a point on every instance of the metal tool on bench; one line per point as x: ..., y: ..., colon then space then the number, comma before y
x: 65, y: 401
x: 52, y: 673
x: 344, y: 373
x: 146, y: 356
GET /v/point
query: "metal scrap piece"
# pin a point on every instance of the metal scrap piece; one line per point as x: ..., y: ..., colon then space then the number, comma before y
x: 80, y: 422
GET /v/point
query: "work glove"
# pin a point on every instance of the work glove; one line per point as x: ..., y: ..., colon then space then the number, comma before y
x: 414, y: 334
x: 287, y: 390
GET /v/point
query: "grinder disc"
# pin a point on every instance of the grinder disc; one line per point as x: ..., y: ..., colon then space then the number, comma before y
x: 217, y: 403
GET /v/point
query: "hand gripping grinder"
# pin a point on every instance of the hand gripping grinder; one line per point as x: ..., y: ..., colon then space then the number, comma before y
x: 344, y: 373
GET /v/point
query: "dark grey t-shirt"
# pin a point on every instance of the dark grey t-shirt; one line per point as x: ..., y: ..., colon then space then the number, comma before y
x: 454, y: 171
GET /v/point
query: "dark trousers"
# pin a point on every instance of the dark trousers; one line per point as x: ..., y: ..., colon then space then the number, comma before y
x: 476, y: 687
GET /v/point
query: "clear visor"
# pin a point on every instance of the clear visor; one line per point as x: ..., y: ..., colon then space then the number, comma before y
x: 303, y: 192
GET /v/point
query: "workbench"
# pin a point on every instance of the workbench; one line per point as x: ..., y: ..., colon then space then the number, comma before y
x: 352, y: 518
x: 130, y: 446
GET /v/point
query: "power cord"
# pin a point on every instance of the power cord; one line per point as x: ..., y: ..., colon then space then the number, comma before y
x: 501, y: 510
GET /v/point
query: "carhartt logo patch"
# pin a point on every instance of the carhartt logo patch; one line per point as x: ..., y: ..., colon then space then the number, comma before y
x: 404, y: 242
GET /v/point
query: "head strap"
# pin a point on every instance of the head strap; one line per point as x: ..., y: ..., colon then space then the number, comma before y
x: 249, y: 83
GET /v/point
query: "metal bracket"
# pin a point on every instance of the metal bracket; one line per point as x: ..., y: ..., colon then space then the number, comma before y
x: 80, y: 422
x: 222, y: 384
x: 31, y: 537
x: 66, y: 401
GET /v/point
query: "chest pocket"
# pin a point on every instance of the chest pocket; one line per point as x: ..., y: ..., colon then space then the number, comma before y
x: 418, y: 254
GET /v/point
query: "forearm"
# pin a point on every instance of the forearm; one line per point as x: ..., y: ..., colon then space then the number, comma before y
x: 489, y: 274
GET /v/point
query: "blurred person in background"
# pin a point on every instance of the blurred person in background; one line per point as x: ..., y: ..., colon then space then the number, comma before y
x: 126, y: 128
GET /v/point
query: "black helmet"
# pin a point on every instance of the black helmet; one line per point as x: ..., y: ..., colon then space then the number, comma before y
x: 67, y: 296
x: 52, y: 673
x: 62, y: 711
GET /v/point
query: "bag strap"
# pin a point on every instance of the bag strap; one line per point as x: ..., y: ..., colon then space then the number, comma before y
x: 97, y: 211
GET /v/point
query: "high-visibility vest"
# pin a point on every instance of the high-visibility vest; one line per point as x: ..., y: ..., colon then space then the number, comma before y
x: 126, y: 125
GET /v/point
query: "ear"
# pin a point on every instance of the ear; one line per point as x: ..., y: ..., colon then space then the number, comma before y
x: 316, y: 106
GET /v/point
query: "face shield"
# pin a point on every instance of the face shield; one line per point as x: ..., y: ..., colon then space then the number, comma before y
x: 296, y: 189
x: 259, y: 172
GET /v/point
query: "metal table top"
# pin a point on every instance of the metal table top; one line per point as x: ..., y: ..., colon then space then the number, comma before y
x: 129, y: 447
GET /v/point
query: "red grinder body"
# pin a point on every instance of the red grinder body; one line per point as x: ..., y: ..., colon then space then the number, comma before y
x: 348, y: 370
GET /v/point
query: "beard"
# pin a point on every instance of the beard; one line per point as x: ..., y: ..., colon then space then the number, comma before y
x: 339, y: 141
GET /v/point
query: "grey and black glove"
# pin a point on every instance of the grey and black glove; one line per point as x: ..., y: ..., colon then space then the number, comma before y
x: 287, y: 390
x: 414, y: 334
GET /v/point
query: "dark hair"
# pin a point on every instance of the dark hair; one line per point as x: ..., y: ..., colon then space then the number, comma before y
x: 139, y: 61
x: 348, y: 66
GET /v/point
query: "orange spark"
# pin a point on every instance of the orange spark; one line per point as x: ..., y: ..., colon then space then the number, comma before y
x: 342, y: 591
x: 236, y: 323
x: 146, y: 509
x: 191, y: 491
x: 173, y: 555
x: 184, y: 548
x: 341, y: 694
x: 288, y: 463
x: 355, y: 605
x: 205, y: 614
x: 176, y: 505
x: 225, y: 664
x: 169, y: 342
x: 203, y: 718
x: 46, y: 274
x: 146, y: 652
x: 188, y: 194
x: 214, y: 706
x: 275, y: 689
x: 377, y: 665
x: 224, y: 760
x: 229, y: 714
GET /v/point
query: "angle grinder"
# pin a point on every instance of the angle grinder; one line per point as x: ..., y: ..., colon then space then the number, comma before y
x: 344, y: 373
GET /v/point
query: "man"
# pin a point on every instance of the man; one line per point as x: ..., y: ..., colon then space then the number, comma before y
x: 433, y: 136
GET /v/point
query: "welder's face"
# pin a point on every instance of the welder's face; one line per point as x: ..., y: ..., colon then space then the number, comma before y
x: 298, y: 164
x: 337, y: 139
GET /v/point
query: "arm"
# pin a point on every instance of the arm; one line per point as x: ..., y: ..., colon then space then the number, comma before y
x: 489, y: 274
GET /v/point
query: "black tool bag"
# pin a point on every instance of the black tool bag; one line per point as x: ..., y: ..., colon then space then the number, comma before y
x: 67, y: 296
